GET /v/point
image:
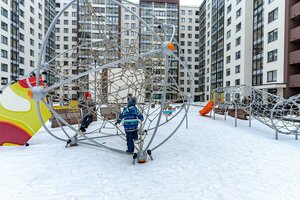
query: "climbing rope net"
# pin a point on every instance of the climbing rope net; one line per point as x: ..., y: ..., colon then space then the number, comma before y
x: 282, y: 115
x: 112, y: 61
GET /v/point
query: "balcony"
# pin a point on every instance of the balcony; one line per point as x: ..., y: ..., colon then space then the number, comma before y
x: 294, y: 80
x: 295, y: 11
x: 294, y: 57
x: 295, y: 34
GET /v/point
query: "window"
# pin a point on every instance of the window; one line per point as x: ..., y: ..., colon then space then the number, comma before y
x: 4, y: 12
x: 228, y: 9
x: 273, y: 15
x: 4, y: 26
x: 228, y: 46
x: 273, y: 35
x: 228, y: 34
x: 4, y: 67
x: 237, y: 2
x: 4, y: 54
x: 21, y: 36
x: 31, y: 63
x: 22, y: 48
x: 238, y: 13
x: 228, y: 21
x: 4, y: 81
x: 31, y: 52
x: 238, y: 55
x: 4, y: 39
x: 31, y: 20
x: 238, y: 41
x: 227, y: 83
x: 31, y: 42
x: 66, y: 14
x: 272, y: 55
x: 22, y: 72
x: 227, y: 72
x: 31, y: 31
x: 31, y: 9
x: 237, y: 82
x: 238, y: 27
x: 272, y: 76
x: 237, y: 69
x: 228, y: 58
x: 22, y: 60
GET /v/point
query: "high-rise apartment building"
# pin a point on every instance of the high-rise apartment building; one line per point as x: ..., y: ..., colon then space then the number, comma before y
x: 202, y: 52
x: 165, y: 11
x: 243, y: 45
x: 86, y: 26
x: 189, y: 44
x: 66, y: 38
x: 292, y: 48
x: 23, y: 26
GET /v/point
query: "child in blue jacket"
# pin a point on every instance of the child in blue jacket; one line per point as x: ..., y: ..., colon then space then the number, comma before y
x: 131, y: 116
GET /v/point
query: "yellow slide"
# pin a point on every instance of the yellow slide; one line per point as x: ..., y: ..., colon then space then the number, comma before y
x: 18, y: 114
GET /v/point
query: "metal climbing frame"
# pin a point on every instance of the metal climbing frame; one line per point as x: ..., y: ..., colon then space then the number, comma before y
x: 110, y: 67
x: 282, y: 115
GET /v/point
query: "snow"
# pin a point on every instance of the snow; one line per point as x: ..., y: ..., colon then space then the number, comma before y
x: 211, y: 160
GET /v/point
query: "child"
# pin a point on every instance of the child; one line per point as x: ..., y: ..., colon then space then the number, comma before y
x: 88, y: 107
x: 131, y: 116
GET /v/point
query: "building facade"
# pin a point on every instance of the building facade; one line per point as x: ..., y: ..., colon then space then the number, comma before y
x: 165, y: 11
x: 189, y: 45
x: 23, y: 26
x: 243, y: 45
x: 292, y: 48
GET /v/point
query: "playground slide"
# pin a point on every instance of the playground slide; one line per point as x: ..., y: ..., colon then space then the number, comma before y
x: 209, y: 106
x: 18, y: 114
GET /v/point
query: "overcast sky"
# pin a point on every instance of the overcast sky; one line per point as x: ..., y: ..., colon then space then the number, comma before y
x: 184, y: 2
x: 191, y: 2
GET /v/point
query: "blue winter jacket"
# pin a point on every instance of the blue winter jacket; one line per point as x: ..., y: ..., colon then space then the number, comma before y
x: 131, y: 116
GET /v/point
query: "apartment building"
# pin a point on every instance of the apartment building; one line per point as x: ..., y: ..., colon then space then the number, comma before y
x: 166, y: 11
x: 243, y: 44
x: 23, y: 26
x: 65, y: 39
x: 189, y: 45
x: 202, y: 52
x: 292, y: 48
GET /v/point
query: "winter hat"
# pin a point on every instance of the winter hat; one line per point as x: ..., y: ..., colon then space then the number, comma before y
x: 132, y: 101
x: 87, y: 94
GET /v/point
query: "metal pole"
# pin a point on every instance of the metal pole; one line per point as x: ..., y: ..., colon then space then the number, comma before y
x: 187, y: 121
x: 225, y: 112
x: 214, y: 113
x: 250, y: 116
x: 235, y: 115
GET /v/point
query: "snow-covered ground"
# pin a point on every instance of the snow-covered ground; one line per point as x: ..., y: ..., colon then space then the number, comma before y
x: 212, y: 160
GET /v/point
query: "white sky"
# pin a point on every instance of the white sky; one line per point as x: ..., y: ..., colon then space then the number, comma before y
x: 184, y: 2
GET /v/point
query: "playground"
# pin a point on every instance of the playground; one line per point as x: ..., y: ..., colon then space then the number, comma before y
x: 81, y: 136
x: 212, y: 159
